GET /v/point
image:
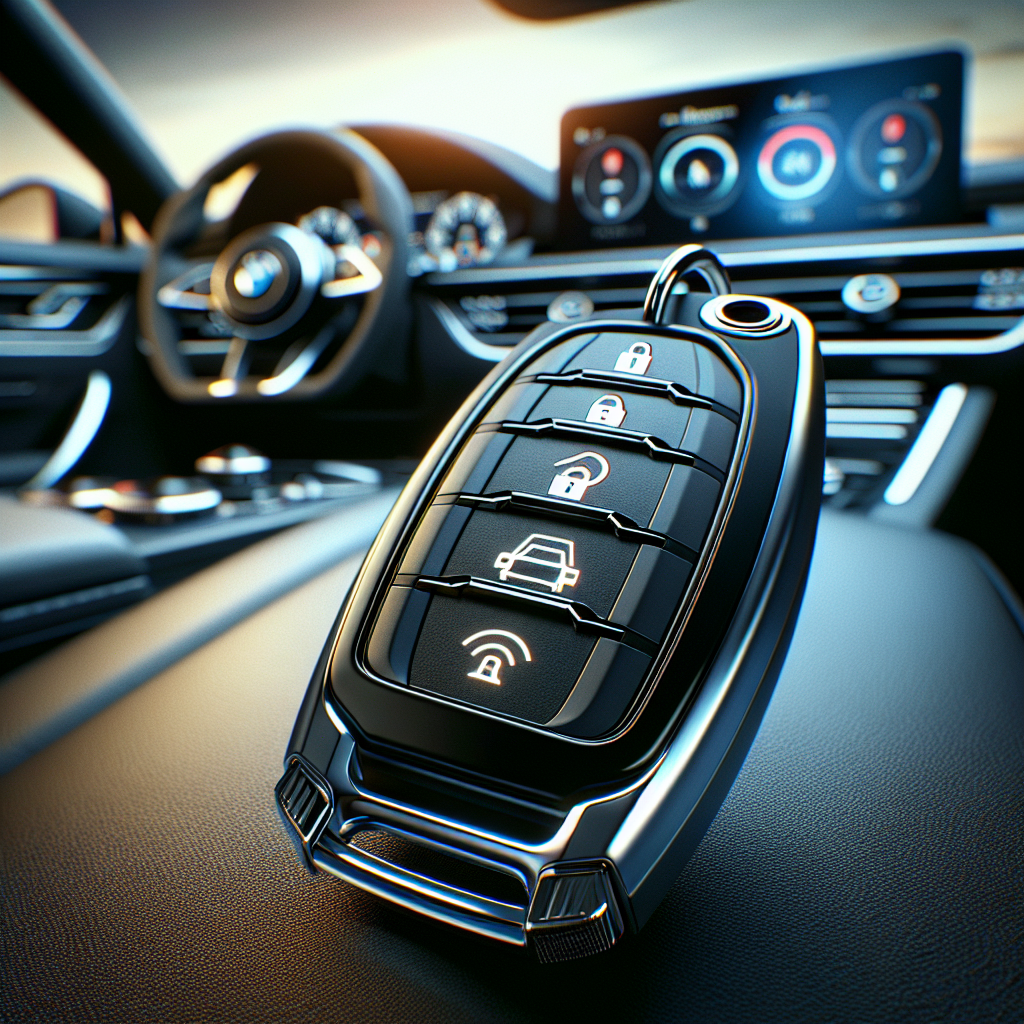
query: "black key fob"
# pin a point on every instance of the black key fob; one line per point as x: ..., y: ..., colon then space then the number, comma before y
x: 561, y: 645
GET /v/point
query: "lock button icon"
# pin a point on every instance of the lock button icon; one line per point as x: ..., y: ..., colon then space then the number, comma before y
x: 572, y: 483
x: 635, y: 359
x: 607, y: 409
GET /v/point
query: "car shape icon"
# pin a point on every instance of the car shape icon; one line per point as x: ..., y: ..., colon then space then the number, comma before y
x: 540, y: 559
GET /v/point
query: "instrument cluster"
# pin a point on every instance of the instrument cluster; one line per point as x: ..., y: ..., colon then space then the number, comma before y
x: 450, y: 231
x: 860, y: 147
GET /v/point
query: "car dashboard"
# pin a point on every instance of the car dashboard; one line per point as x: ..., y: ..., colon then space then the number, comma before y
x: 839, y: 191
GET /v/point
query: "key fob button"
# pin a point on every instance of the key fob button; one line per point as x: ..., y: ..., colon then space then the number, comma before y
x: 643, y: 413
x: 555, y: 359
x: 686, y: 506
x: 433, y: 541
x: 516, y: 403
x: 652, y: 592
x: 475, y: 463
x: 498, y: 657
x: 710, y: 437
x: 389, y: 651
x: 642, y: 355
x: 604, y: 691
x: 547, y: 556
x: 576, y: 470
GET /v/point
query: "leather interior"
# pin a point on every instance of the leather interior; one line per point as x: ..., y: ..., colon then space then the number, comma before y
x: 867, y: 864
x: 53, y: 694
x: 46, y: 551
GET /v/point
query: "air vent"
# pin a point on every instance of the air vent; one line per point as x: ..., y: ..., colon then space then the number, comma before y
x: 950, y: 304
x: 870, y: 426
x: 502, y: 314
x: 44, y: 312
x: 305, y: 799
x: 955, y: 297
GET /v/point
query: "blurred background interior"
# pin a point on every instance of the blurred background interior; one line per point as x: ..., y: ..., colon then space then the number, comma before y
x: 204, y: 76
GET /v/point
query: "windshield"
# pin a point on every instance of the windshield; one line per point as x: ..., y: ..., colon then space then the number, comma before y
x: 204, y: 76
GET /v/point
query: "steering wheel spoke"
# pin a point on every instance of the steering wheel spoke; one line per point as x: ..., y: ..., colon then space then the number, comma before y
x: 181, y: 294
x: 233, y: 369
x: 367, y: 278
x: 295, y: 364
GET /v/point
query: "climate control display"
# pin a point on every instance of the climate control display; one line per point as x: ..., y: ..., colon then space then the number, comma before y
x: 861, y: 147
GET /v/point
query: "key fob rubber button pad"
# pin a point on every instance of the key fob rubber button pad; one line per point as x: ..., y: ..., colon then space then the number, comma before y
x: 632, y: 486
x: 670, y: 358
x: 643, y: 413
x: 545, y: 556
x: 524, y: 665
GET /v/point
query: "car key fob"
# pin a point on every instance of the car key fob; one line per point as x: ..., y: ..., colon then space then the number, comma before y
x: 561, y: 645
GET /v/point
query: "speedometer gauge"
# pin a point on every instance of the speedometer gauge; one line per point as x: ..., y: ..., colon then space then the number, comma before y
x: 465, y: 231
x: 334, y: 226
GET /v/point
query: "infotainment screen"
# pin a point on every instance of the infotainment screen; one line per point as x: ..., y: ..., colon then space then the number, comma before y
x: 859, y: 147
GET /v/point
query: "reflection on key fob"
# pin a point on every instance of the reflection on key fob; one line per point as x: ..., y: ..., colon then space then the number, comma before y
x: 561, y: 646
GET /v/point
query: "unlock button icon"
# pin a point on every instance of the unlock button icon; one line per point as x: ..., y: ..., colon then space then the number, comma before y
x: 572, y: 483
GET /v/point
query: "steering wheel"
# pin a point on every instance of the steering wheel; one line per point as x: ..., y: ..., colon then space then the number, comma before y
x: 301, y: 315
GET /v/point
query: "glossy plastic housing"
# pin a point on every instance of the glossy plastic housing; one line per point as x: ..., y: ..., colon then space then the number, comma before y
x: 524, y: 801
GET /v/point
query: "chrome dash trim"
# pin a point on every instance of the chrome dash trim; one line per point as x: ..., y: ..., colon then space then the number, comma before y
x: 874, y: 250
x: 1005, y: 342
x: 616, y: 264
x: 83, y: 429
x: 927, y: 445
x: 464, y: 338
x: 92, y: 342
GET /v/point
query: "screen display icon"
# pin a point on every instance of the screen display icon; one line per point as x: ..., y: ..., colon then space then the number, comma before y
x: 697, y: 174
x: 797, y: 162
x: 895, y: 148
x: 612, y: 180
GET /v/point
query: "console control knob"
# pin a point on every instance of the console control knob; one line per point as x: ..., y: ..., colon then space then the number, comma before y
x: 871, y: 296
x: 162, y: 499
x: 88, y: 492
x: 236, y: 470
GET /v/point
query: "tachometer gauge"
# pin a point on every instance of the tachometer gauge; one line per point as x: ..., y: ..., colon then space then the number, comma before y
x: 334, y: 226
x: 465, y: 231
